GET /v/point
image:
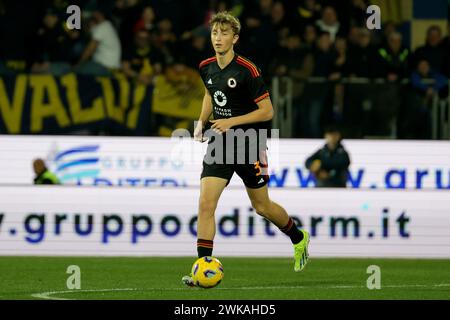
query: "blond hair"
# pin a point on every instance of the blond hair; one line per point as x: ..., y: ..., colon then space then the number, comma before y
x: 224, y: 17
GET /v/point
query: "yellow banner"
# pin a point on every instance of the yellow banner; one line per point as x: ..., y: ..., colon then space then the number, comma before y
x: 178, y: 93
x: 43, y: 103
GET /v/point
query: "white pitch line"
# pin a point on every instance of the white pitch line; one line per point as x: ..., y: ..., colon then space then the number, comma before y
x: 49, y: 295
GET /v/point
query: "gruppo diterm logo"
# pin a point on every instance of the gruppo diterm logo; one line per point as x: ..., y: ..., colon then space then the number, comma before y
x: 89, y: 164
x: 73, y: 164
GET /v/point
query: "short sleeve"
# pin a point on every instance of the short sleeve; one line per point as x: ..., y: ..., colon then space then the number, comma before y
x: 203, y: 68
x: 257, y: 88
x: 98, y: 33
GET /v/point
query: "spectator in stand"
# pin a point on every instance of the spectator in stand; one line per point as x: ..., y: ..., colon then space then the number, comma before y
x: 78, y: 42
x: 424, y: 72
x: 358, y: 13
x: 290, y: 59
x: 394, y: 59
x: 214, y: 7
x: 196, y: 47
x: 382, y: 36
x: 362, y: 57
x: 43, y: 174
x: 324, y: 56
x: 166, y: 41
x: 392, y: 65
x: 330, y: 164
x: 317, y: 95
x: 147, y: 20
x: 304, y: 14
x: 19, y: 21
x: 353, y: 37
x: 361, y: 63
x: 426, y: 83
x: 329, y: 22
x: 340, y: 70
x: 279, y: 21
x: 340, y: 64
x: 258, y: 37
x: 126, y: 13
x: 445, y: 45
x: 309, y: 37
x: 296, y: 62
x: 432, y: 50
x: 102, y: 54
x: 53, y: 51
x: 142, y: 62
x: 181, y: 14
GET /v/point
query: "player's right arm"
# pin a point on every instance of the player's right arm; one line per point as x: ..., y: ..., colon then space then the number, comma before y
x: 313, y: 162
x: 88, y: 51
x: 204, y: 116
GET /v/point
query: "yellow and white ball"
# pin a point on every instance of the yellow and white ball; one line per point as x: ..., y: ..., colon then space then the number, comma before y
x: 207, y: 272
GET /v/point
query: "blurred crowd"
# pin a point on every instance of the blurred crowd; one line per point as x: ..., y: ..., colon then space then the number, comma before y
x: 302, y: 39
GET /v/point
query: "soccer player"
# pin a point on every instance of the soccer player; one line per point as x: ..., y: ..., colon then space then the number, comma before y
x: 236, y: 95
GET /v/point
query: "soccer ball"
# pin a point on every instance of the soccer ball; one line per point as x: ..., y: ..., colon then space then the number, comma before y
x: 207, y: 272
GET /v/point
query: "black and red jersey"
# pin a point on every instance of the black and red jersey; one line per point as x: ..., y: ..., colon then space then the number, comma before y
x: 234, y: 90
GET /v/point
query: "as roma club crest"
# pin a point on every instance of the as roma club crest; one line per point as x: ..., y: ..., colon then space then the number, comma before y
x: 232, y: 82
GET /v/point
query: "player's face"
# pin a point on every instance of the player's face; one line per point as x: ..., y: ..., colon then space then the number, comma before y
x: 222, y: 38
x: 332, y: 139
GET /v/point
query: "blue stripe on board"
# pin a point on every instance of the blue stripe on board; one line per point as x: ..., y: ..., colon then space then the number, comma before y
x: 77, y: 163
x: 76, y: 150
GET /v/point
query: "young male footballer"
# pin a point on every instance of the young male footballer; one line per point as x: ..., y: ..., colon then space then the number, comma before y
x: 237, y: 97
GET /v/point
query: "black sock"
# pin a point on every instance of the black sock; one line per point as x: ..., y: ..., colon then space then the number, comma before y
x: 292, y: 232
x: 204, y: 247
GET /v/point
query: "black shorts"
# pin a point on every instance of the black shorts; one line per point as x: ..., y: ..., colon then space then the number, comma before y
x: 253, y: 175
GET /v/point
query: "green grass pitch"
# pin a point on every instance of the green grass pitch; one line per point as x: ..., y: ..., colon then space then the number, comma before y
x: 245, y: 278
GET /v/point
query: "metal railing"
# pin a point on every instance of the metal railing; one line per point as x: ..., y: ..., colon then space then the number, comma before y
x: 370, y: 93
x: 282, y: 99
x: 441, y: 118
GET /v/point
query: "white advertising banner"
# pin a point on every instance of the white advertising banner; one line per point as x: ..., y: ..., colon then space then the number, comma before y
x: 145, y: 162
x: 95, y: 221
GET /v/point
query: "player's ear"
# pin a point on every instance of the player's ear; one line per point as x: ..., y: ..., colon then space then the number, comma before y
x: 235, y: 38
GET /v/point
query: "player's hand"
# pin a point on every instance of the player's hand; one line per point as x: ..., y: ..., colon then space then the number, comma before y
x: 198, y: 132
x: 221, y: 125
x: 315, y: 166
x: 323, y: 175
